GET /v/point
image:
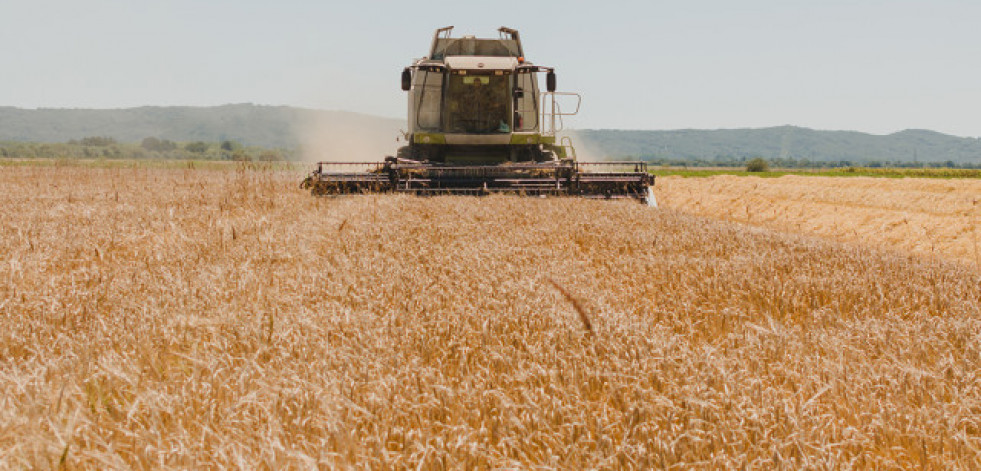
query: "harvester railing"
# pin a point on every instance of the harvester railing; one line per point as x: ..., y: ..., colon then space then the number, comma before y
x: 552, y: 112
x: 332, y: 167
x: 614, y: 166
x: 568, y: 177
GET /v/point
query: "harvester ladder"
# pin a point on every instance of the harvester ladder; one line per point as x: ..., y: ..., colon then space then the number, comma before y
x: 566, y: 143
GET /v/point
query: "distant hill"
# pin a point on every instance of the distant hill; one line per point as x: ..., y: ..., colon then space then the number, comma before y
x: 339, y: 135
x: 785, y: 142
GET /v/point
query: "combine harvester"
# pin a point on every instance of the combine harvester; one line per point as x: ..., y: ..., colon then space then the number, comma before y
x: 477, y: 125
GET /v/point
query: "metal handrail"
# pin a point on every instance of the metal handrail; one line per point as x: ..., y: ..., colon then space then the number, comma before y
x: 552, y: 111
x: 371, y: 165
x: 496, y: 167
x: 638, y: 167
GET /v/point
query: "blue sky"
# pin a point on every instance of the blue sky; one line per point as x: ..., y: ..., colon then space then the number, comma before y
x: 868, y: 65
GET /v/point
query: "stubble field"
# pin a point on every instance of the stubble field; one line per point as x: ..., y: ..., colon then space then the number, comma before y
x: 202, y: 318
x: 926, y: 216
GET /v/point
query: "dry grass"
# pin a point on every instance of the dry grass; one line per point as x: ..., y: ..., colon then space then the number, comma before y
x: 193, y: 318
x: 924, y: 216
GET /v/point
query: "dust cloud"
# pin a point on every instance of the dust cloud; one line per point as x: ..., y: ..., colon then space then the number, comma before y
x: 586, y: 150
x: 348, y: 137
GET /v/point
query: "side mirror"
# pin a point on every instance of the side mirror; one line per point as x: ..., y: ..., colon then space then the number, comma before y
x: 406, y: 79
x: 550, y: 81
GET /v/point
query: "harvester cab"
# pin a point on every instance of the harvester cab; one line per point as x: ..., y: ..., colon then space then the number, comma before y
x: 478, y: 123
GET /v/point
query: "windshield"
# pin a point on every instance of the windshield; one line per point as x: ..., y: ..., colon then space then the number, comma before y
x: 477, y: 104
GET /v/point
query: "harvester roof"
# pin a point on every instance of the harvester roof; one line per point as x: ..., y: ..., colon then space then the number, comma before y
x: 508, y: 45
x: 481, y: 63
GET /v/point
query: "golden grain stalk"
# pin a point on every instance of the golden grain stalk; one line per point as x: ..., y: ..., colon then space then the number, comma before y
x: 225, y: 319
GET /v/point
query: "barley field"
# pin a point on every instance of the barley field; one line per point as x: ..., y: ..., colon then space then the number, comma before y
x: 933, y: 217
x: 226, y: 319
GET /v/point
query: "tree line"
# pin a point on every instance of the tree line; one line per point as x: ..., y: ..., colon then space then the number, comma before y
x: 103, y: 147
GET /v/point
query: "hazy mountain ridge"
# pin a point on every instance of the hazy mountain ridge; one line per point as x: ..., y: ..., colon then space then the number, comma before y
x: 267, y: 126
x: 783, y: 142
x: 344, y: 134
